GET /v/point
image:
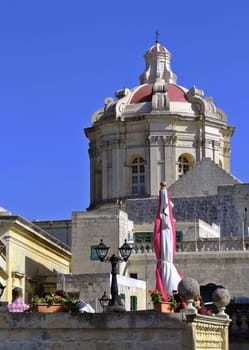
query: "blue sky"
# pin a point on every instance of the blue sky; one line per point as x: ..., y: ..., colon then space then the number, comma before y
x: 59, y: 60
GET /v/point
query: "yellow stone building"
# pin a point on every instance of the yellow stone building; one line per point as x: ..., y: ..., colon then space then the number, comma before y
x: 30, y: 258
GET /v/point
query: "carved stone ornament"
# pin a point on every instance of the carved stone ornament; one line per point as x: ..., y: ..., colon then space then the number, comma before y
x: 160, y: 99
x: 221, y: 298
x: 189, y: 288
x: 115, y: 108
x: 200, y: 105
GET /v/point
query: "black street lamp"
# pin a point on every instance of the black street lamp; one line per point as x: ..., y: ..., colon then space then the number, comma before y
x: 104, y: 301
x: 125, y: 252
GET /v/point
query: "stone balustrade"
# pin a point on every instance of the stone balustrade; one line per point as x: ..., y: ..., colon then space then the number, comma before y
x: 117, y: 331
x: 199, y: 245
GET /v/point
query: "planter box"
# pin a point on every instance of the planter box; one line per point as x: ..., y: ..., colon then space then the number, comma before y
x: 49, y: 307
x: 164, y: 306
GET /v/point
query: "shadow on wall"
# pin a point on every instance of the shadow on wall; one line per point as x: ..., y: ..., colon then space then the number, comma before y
x: 39, y: 279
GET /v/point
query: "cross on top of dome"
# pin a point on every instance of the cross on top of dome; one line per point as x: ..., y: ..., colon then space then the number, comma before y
x: 157, y: 35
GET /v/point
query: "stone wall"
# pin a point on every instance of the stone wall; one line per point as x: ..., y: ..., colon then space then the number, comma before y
x: 111, y: 225
x: 228, y: 268
x: 60, y: 229
x: 202, y: 180
x: 143, y: 330
x: 91, y: 287
x: 229, y: 209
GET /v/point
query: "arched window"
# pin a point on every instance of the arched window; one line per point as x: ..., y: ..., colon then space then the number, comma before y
x: 185, y: 162
x: 137, y: 176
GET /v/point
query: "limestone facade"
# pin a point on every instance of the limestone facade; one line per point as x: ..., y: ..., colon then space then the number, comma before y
x: 88, y: 228
x: 30, y: 258
x: 160, y: 131
x: 207, y: 261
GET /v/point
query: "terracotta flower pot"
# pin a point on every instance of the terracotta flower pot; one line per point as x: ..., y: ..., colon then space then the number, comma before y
x: 164, y: 306
x: 50, y: 307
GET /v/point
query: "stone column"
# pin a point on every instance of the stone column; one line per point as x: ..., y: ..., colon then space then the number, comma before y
x: 104, y: 172
x: 170, y: 159
x: 123, y: 190
x: 153, y: 165
x: 115, y: 178
x: 216, y: 151
x: 92, y: 155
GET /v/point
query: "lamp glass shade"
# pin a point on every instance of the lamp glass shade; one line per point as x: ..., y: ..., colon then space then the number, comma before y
x: 125, y: 251
x: 104, y: 301
x: 101, y: 250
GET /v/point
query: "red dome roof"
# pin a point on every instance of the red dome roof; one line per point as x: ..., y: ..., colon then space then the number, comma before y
x: 157, y: 48
x: 144, y: 94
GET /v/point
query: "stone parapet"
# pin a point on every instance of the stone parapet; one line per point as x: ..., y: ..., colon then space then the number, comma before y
x: 118, y: 330
x: 200, y: 245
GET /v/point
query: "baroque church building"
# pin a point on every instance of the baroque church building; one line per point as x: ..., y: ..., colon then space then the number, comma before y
x: 155, y: 131
x: 158, y: 131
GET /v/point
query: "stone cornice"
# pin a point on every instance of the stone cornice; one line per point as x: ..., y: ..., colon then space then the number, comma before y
x: 36, y: 231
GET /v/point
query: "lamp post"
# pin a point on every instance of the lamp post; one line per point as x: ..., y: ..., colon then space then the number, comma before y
x: 125, y: 252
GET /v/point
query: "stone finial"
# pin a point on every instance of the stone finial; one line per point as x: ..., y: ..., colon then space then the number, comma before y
x: 189, y: 288
x: 221, y: 298
x: 157, y: 61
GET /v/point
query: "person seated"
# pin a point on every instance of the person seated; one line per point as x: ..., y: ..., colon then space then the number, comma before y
x: 199, y: 305
x: 82, y: 307
x: 17, y: 304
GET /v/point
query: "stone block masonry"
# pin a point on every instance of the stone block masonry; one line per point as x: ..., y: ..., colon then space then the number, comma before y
x: 229, y: 209
x: 144, y: 330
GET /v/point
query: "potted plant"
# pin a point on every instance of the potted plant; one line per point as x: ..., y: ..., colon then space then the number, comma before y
x: 158, y: 303
x: 175, y: 302
x: 156, y: 296
x: 53, y: 302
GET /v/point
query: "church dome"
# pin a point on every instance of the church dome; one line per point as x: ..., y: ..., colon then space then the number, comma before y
x: 157, y: 92
x: 157, y: 48
x: 152, y: 131
x: 144, y: 93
